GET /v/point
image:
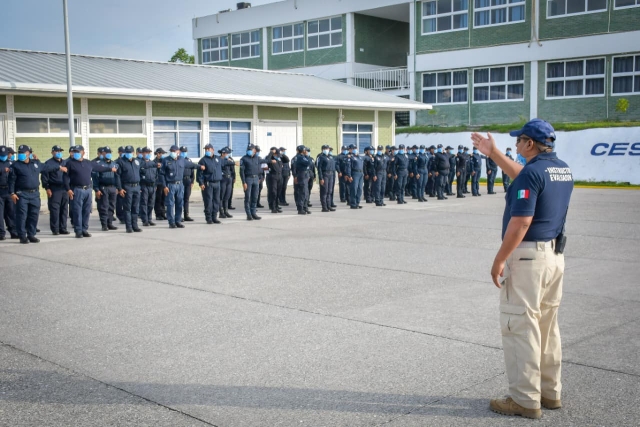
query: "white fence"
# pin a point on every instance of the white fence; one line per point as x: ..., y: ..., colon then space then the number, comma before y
x: 605, y: 154
x: 384, y: 79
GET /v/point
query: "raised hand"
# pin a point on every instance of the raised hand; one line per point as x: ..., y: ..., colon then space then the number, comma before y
x: 485, y: 145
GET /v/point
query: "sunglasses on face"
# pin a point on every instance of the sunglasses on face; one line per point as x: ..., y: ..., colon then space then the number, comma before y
x: 521, y: 139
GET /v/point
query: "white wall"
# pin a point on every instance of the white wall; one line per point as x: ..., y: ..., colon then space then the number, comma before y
x: 611, y: 154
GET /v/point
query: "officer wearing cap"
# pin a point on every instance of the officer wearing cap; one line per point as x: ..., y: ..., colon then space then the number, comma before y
x: 99, y: 155
x: 441, y: 172
x: 354, y: 171
x: 263, y: 170
x: 230, y: 203
x: 171, y: 174
x: 492, y: 171
x: 188, y: 179
x: 7, y: 213
x: 148, y: 183
x: 286, y: 174
x: 343, y: 183
x: 412, y: 182
x: 326, y: 174
x: 367, y: 161
x: 335, y: 162
x: 209, y: 181
x: 380, y: 165
x: 269, y: 158
x: 128, y: 184
x: 120, y: 200
x: 432, y: 168
x: 228, y: 178
x: 505, y: 178
x: 452, y: 170
x: 56, y: 185
x: 312, y: 173
x: 530, y: 265
x: 461, y: 172
x: 105, y: 189
x: 469, y: 169
x: 159, y: 208
x: 300, y: 165
x: 250, y: 171
x: 421, y: 161
x: 401, y: 173
x: 391, y: 177
x: 476, y: 172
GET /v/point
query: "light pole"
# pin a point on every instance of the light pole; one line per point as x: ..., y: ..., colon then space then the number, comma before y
x: 67, y: 49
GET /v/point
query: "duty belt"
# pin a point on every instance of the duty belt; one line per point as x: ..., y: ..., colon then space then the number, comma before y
x: 4, y: 187
x: 28, y: 191
x: 174, y: 182
x: 356, y: 170
x: 84, y: 187
x: 131, y: 184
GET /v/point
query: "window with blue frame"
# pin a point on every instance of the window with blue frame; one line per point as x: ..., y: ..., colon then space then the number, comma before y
x: 228, y: 133
x: 360, y: 135
x: 178, y: 132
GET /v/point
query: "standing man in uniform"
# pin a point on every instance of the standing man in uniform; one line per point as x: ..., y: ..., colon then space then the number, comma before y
x: 492, y: 171
x: 326, y: 174
x: 228, y: 178
x: 160, y: 208
x: 209, y: 179
x: 529, y: 268
x: 286, y: 174
x: 469, y: 169
x: 300, y: 171
x: 506, y: 180
x: 250, y: 171
x: 57, y: 188
x: 148, y: 183
x: 354, y: 170
x: 461, y: 172
x: 7, y: 215
x: 230, y: 157
x: 105, y: 189
x: 335, y: 165
x: 119, y: 200
x: 171, y: 174
x: 411, y: 168
x: 343, y: 183
x: 441, y: 172
x: 401, y: 173
x: 128, y: 183
x: 452, y: 170
x: 368, y: 174
x: 430, y: 189
x: 274, y: 180
x: 187, y: 180
x: 312, y: 174
x: 391, y: 174
x: 380, y: 165
x: 421, y: 173
x: 476, y: 172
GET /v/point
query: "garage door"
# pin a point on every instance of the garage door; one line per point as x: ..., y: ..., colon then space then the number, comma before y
x: 278, y: 134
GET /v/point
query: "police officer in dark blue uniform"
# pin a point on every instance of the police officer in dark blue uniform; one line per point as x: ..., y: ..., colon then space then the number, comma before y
x: 250, y: 171
x: 380, y: 167
x: 461, y: 172
x: 422, y: 173
x: 391, y: 173
x: 148, y: 183
x: 171, y: 174
x: 286, y: 174
x: 105, y: 189
x: 228, y: 178
x: 335, y: 163
x: 159, y: 208
x: 452, y: 170
x: 441, y: 172
x: 354, y: 170
x: 343, y: 182
x: 506, y: 180
x: 367, y: 160
x: 24, y: 187
x: 300, y: 165
x: 209, y: 181
x: 401, y: 173
x: 119, y: 200
x: 128, y: 184
x: 187, y: 180
x: 312, y: 173
x: 476, y: 172
x: 274, y: 179
x: 492, y: 171
x: 430, y: 189
x: 469, y: 169
x: 230, y: 206
x: 57, y: 188
x: 326, y: 174
x: 411, y: 168
x: 7, y: 213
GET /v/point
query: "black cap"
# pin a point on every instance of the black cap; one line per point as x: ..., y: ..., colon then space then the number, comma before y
x: 160, y: 150
x: 120, y: 149
x: 11, y: 150
x: 79, y: 148
x: 449, y: 147
x: 300, y: 148
x: 393, y: 147
x: 57, y: 148
x: 283, y: 149
x: 23, y: 149
x: 466, y: 148
x: 106, y: 149
x: 439, y: 145
x: 423, y: 147
x: 174, y: 148
x: 388, y: 147
x: 415, y: 147
x: 401, y: 146
x: 344, y: 147
x: 251, y: 147
x: 146, y: 149
x: 257, y: 148
x: 225, y: 150
x: 368, y: 148
x: 184, y: 149
x: 273, y: 148
x: 4, y: 151
x: 380, y: 147
x: 209, y: 147
x: 139, y: 150
x: 433, y: 147
x: 128, y: 149
x: 460, y: 147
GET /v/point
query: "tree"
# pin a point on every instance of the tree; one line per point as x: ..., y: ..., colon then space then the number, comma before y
x: 183, y: 56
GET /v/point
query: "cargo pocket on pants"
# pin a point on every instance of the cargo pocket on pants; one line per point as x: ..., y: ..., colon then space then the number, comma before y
x: 512, y: 321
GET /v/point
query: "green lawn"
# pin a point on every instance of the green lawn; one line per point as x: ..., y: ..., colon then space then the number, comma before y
x: 568, y: 127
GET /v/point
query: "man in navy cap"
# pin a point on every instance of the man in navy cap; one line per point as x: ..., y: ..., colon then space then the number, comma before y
x: 300, y: 170
x: 342, y: 181
x: 286, y: 174
x: 57, y: 187
x: 250, y: 171
x: 461, y: 172
x: 120, y: 200
x: 128, y: 184
x: 171, y: 174
x: 380, y: 165
x: 401, y: 173
x: 148, y: 182
x: 367, y: 165
x: 7, y: 213
x: 274, y: 179
x: 188, y: 180
x: 24, y: 188
x: 326, y: 175
x: 506, y: 180
x: 421, y: 172
x: 430, y: 189
x: 492, y: 171
x: 441, y: 172
x: 159, y: 208
x: 469, y: 169
x: 354, y: 171
x: 105, y: 189
x: 391, y: 177
x: 476, y: 172
x: 228, y: 178
x: 452, y: 170
x: 312, y: 173
x: 209, y: 181
x: 529, y: 268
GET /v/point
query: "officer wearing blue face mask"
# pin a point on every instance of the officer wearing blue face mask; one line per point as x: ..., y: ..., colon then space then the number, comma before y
x: 452, y: 171
x: 228, y: 178
x: 492, y: 171
x: 105, y: 189
x: 120, y: 200
x: 187, y: 180
x: 171, y: 175
x: 209, y: 181
x: 148, y: 183
x: 300, y: 170
x: 441, y: 171
x: 274, y: 179
x: 368, y: 174
x: 342, y: 180
x: 469, y: 169
x: 421, y: 173
x: 380, y: 166
x: 461, y: 172
x: 391, y: 177
x: 476, y: 172
x: 128, y: 184
x: 412, y: 153
x: 354, y: 170
x: 57, y: 186
x: 7, y: 213
x: 401, y: 173
x: 506, y: 180
x: 286, y: 174
x: 159, y: 208
x: 326, y: 174
x: 250, y: 171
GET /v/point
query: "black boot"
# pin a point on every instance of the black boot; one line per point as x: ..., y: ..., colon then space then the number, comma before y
x: 227, y: 214
x: 187, y: 217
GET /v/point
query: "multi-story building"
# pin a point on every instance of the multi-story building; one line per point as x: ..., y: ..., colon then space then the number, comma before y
x: 477, y: 62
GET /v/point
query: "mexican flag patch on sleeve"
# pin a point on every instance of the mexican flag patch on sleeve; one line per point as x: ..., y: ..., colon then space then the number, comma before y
x: 523, y: 194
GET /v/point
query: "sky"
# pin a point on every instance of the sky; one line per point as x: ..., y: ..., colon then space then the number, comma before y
x: 135, y: 29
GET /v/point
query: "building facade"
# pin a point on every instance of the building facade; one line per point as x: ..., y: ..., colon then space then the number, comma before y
x: 477, y: 62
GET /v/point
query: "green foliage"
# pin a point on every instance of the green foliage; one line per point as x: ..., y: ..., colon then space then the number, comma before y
x: 622, y: 105
x: 183, y: 56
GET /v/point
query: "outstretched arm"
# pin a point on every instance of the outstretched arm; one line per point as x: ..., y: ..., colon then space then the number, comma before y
x: 487, y: 146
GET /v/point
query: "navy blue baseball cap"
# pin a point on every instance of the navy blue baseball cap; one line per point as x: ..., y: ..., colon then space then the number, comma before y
x: 174, y: 148
x: 538, y: 130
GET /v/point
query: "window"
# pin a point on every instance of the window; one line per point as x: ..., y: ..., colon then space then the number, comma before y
x: 44, y: 125
x: 626, y: 3
x: 498, y: 84
x: 2, y: 130
x: 447, y: 87
x: 444, y: 15
x: 288, y: 38
x: 215, y: 49
x: 583, y: 77
x: 571, y: 7
x: 626, y: 75
x: 116, y: 126
x: 360, y: 135
x: 245, y: 45
x: 177, y: 132
x: 232, y: 134
x: 324, y: 33
x: 497, y: 12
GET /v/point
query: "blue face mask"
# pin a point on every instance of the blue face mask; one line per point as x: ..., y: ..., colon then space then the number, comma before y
x: 13, y: 157
x: 326, y: 152
x: 3, y: 158
x: 77, y: 156
x: 108, y: 156
x: 249, y: 153
x: 421, y: 151
x: 379, y: 153
x: 400, y: 151
x: 208, y: 153
x: 173, y: 155
x: 345, y: 152
x: 128, y: 156
x: 183, y: 154
x: 139, y: 156
x: 284, y: 153
x: 22, y: 157
x: 147, y: 156
x: 522, y: 160
x: 475, y: 151
x: 460, y: 151
x: 58, y: 154
x: 508, y: 152
x: 439, y: 150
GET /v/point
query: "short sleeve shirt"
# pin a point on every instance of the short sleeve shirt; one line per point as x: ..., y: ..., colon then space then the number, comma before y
x: 542, y: 190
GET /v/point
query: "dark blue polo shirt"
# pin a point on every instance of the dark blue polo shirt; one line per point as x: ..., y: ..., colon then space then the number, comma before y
x: 542, y: 190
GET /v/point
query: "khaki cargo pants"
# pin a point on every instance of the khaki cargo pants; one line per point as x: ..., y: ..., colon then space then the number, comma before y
x: 529, y: 301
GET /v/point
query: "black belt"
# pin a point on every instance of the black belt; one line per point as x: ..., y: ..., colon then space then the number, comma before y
x: 56, y: 186
x: 33, y: 190
x: 251, y: 176
x: 4, y: 187
x: 83, y: 187
x: 131, y: 184
x: 174, y: 182
x: 149, y: 184
x: 212, y: 182
x: 106, y: 186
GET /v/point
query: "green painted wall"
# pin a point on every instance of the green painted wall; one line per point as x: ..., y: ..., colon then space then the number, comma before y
x: 44, y: 105
x: 572, y: 25
x: 625, y: 19
x: 247, y: 63
x: 381, y: 41
x: 243, y: 63
x: 114, y: 143
x: 227, y: 111
x: 385, y: 128
x: 332, y: 55
x: 358, y: 116
x: 438, y: 42
x: 117, y: 107
x: 277, y: 113
x: 319, y: 127
x: 3, y: 104
x: 285, y: 60
x: 42, y: 146
x: 177, y: 109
